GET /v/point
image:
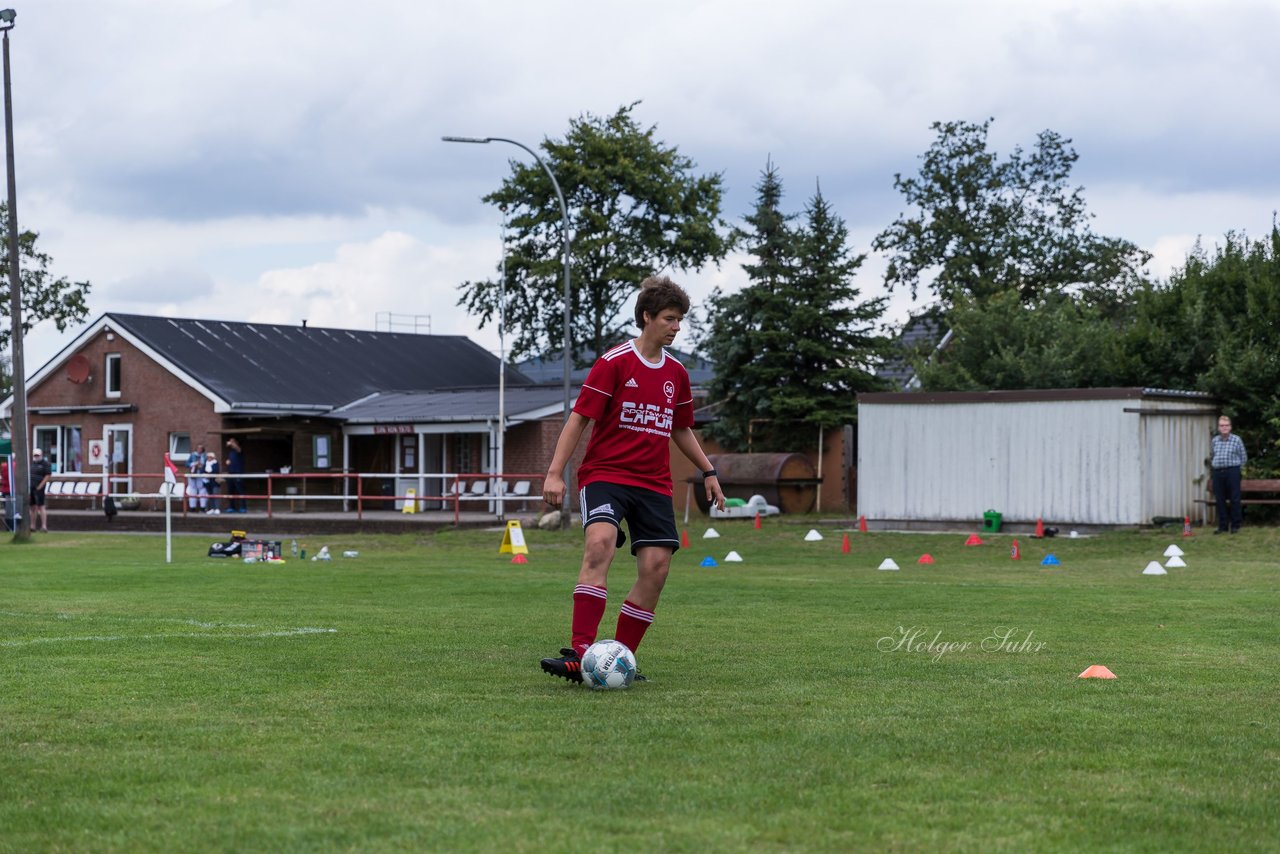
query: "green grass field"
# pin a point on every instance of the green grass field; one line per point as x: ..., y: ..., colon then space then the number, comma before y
x: 393, y: 701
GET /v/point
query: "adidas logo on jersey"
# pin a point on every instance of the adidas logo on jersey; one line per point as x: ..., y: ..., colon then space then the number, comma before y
x: 631, y: 383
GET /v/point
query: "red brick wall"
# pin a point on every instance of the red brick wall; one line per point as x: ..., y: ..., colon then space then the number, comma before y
x: 161, y: 403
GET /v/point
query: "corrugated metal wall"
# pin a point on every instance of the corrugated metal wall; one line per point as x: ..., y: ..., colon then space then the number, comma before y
x: 1175, y: 453
x: 1069, y: 461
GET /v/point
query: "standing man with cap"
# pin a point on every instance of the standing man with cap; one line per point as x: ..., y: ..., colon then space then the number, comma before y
x: 41, y: 471
x: 1227, y: 458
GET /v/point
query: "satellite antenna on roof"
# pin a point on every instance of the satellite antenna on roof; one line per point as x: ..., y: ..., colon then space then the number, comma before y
x: 78, y: 369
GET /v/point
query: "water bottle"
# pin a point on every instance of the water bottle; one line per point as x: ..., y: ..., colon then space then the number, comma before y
x: 293, y: 548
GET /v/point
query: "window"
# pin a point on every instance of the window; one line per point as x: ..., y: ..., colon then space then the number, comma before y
x: 46, y: 439
x: 320, y: 451
x: 73, y: 452
x: 179, y: 445
x: 112, y: 372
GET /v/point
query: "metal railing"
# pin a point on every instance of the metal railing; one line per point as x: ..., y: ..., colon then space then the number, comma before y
x: 457, y: 490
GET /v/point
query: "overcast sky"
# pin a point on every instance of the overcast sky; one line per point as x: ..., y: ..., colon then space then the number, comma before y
x: 274, y: 160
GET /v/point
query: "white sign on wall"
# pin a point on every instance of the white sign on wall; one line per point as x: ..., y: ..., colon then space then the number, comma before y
x: 97, y: 452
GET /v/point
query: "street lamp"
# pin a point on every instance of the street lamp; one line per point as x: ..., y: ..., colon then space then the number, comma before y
x: 18, y: 482
x: 564, y: 258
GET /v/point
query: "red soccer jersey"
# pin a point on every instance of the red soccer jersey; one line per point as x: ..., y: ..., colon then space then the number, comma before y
x: 634, y: 405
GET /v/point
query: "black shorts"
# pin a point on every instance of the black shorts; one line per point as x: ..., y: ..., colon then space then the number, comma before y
x: 37, y: 498
x: 650, y: 516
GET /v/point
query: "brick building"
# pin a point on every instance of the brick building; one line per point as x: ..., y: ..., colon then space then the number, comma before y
x: 300, y: 400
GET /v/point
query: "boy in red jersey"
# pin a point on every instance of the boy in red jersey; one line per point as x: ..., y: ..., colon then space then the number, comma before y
x: 639, y: 401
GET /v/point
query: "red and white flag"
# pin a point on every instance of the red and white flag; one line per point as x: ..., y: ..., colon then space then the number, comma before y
x: 170, y: 470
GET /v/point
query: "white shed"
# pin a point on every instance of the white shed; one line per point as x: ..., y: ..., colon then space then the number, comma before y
x: 1107, y: 456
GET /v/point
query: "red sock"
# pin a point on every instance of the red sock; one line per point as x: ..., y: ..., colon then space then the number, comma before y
x: 632, y: 623
x: 589, y: 603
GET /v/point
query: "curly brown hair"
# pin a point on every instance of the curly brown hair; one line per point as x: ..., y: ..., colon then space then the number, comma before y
x: 658, y: 293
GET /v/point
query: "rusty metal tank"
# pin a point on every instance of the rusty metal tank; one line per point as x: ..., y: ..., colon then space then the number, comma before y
x: 787, y: 481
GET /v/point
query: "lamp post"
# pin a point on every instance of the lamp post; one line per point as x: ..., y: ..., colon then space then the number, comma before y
x: 564, y: 258
x: 19, y: 476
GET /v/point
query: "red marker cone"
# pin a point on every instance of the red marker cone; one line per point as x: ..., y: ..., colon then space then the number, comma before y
x: 925, y: 558
x: 1186, y: 526
x: 1040, y: 529
x: 520, y: 559
x: 1015, y: 553
x: 684, y: 539
x: 974, y: 540
x: 757, y: 521
x: 844, y: 546
x: 862, y: 524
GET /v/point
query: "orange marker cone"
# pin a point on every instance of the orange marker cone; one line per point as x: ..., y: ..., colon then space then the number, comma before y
x: 520, y: 559
x: 862, y: 524
x: 1040, y: 529
x: 974, y: 540
x: 757, y: 521
x: 925, y: 558
x: 1015, y: 553
x: 1186, y: 526
x: 684, y: 539
x: 844, y: 546
x: 1096, y: 671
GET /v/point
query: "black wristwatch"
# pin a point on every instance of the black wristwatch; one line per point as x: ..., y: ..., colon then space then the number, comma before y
x: 709, y: 473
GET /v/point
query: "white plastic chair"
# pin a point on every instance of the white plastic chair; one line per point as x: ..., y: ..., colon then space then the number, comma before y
x: 54, y: 487
x: 82, y: 488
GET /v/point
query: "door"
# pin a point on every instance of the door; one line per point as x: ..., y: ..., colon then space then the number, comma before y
x: 119, y: 468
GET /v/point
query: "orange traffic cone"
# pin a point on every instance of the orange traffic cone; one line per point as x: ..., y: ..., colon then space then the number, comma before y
x: 1015, y: 553
x: 684, y: 539
x: 1097, y: 671
x: 844, y: 546
x: 1186, y: 526
x: 1039, y: 529
x: 862, y: 524
x: 757, y: 521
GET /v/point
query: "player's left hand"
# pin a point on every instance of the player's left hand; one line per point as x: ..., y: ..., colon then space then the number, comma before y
x: 715, y: 495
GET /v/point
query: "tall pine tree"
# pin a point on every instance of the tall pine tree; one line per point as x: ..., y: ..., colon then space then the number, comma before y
x: 747, y: 328
x: 834, y: 338
x: 793, y: 347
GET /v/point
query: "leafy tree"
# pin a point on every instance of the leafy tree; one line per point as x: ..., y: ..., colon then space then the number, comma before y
x: 43, y: 296
x: 984, y: 226
x: 794, y: 347
x: 1215, y: 327
x: 1055, y: 342
x: 635, y: 208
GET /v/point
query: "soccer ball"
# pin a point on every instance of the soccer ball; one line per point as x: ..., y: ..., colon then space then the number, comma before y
x: 608, y: 664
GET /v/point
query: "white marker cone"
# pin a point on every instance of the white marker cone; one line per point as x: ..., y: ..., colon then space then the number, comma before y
x: 1173, y: 551
x: 812, y: 536
x: 888, y: 563
x: 1154, y: 568
x: 733, y: 557
x: 1175, y: 561
x: 711, y: 534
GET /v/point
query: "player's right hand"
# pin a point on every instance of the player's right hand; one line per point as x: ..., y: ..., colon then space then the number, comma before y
x: 553, y: 489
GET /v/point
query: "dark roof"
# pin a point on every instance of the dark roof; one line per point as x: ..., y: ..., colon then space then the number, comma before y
x: 478, y: 404
x: 922, y: 332
x: 266, y: 366
x: 549, y: 370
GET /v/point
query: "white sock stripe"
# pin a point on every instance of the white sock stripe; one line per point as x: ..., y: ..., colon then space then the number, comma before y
x: 637, y: 613
x: 591, y: 590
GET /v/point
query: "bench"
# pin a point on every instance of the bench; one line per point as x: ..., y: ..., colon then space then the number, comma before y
x: 1248, y: 489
